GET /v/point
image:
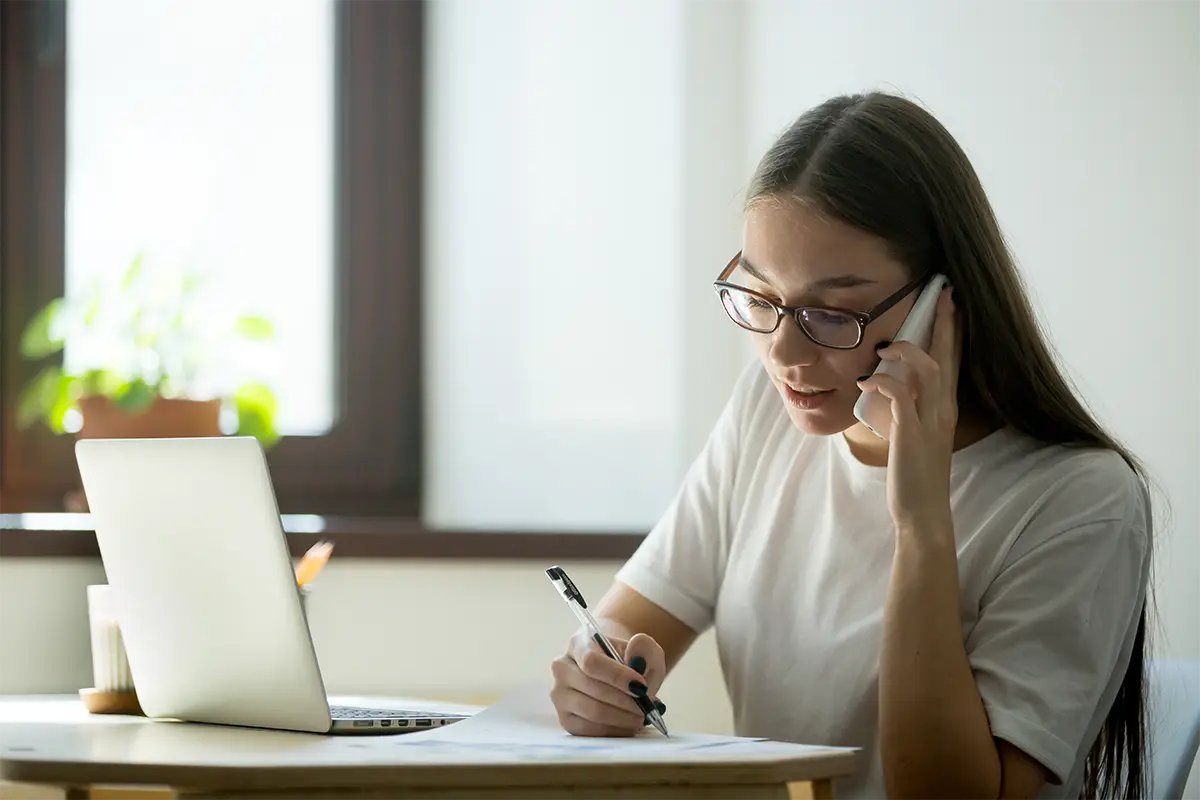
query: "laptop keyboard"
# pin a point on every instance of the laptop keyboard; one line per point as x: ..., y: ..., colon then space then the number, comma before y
x: 352, y: 712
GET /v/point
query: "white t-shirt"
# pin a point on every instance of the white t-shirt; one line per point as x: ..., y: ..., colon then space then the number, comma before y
x: 783, y: 542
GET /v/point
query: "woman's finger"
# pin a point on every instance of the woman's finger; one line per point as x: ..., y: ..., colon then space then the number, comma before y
x: 570, y: 700
x: 924, y: 374
x: 595, y: 663
x: 573, y: 677
x: 578, y: 726
x: 645, y: 656
x: 944, y: 346
x: 902, y: 396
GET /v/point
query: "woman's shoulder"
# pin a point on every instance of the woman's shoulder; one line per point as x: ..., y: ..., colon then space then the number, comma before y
x: 1084, y: 470
x: 1069, y: 485
x: 1072, y: 508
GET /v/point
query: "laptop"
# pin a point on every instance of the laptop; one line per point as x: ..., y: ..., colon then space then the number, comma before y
x: 204, y: 587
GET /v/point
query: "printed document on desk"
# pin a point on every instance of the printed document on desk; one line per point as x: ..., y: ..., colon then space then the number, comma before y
x: 524, y: 724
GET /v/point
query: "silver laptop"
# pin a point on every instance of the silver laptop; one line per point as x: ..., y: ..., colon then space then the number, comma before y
x: 198, y: 565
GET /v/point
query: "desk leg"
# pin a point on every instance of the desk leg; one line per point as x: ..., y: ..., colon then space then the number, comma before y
x: 41, y: 791
x: 811, y: 790
x: 697, y: 791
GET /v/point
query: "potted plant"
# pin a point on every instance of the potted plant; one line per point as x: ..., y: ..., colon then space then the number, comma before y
x: 151, y: 354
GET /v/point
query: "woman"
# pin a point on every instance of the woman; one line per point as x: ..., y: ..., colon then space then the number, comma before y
x: 964, y: 601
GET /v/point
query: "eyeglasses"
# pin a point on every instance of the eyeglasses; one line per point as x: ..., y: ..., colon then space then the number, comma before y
x: 838, y: 328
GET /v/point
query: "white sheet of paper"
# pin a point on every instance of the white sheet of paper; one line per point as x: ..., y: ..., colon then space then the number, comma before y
x: 524, y: 724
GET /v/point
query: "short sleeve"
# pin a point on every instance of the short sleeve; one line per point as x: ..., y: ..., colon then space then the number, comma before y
x: 681, y: 563
x: 1057, y: 624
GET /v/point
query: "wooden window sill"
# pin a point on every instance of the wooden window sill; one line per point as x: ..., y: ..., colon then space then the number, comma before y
x: 55, y: 535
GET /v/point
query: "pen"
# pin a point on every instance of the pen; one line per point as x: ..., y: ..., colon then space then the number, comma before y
x: 578, y: 605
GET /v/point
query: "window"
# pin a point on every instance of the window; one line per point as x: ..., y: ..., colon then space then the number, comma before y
x: 219, y: 159
x: 344, y: 172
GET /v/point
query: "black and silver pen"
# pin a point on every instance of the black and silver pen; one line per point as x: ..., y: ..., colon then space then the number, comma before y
x: 574, y: 598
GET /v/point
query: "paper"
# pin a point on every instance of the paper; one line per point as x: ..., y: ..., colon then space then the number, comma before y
x: 524, y: 724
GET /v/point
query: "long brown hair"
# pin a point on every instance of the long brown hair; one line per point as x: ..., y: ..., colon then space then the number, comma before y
x: 886, y: 166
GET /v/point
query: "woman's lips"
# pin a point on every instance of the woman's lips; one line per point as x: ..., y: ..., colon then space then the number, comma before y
x: 807, y: 400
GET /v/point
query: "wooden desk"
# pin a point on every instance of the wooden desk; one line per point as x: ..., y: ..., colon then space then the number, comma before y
x: 53, y: 742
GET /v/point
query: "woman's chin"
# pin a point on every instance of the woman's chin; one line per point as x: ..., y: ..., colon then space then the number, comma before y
x: 823, y: 421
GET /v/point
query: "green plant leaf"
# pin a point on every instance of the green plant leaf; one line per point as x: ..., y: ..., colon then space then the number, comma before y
x: 41, y: 396
x: 257, y: 328
x: 103, y: 382
x: 256, y: 409
x: 192, y: 283
x: 39, y: 339
x: 135, y: 396
x: 95, y: 296
x: 132, y: 273
x: 64, y: 401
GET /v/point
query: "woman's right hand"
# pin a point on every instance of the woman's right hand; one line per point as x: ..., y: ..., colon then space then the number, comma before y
x: 593, y: 694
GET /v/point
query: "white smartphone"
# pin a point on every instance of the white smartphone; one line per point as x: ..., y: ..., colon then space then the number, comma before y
x: 873, y: 409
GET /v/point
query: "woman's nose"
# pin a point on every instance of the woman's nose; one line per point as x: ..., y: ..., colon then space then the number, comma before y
x: 791, y: 347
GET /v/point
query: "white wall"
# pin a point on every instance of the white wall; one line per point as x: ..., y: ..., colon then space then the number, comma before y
x: 44, y: 643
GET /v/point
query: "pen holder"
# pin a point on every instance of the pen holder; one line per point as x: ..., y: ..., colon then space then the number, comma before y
x: 112, y: 691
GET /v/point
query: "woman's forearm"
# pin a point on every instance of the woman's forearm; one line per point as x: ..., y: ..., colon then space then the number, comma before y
x: 935, y: 738
x: 622, y: 612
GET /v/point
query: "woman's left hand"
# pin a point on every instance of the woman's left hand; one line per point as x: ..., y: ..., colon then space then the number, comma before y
x: 924, y: 405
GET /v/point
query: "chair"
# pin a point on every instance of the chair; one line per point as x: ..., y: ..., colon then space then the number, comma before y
x: 1174, y: 725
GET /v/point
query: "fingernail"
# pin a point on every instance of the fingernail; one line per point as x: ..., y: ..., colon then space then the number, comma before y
x: 638, y: 665
x: 863, y: 378
x: 883, y: 344
x: 639, y: 688
x: 661, y: 706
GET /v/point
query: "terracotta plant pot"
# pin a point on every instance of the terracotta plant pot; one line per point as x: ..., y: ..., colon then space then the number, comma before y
x: 165, y: 419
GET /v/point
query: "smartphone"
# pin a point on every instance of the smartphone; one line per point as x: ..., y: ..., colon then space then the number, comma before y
x: 873, y: 409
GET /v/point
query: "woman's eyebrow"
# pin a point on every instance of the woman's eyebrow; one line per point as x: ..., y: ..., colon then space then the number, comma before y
x: 847, y: 281
x: 752, y: 271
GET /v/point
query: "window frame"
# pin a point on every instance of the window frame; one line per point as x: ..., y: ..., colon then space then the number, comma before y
x: 370, y: 463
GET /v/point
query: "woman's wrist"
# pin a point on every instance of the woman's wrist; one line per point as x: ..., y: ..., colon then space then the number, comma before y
x: 935, y: 527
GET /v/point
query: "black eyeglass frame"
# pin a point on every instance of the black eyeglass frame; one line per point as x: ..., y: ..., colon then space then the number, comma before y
x: 721, y: 285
